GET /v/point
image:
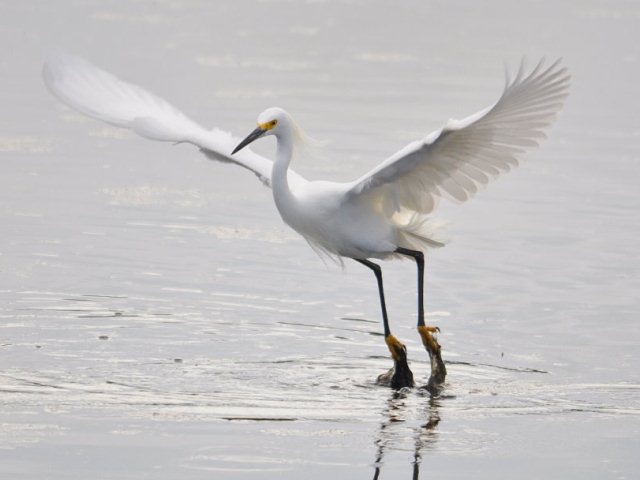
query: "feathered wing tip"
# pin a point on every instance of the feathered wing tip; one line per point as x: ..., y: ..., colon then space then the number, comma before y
x: 509, y: 80
x: 542, y: 68
x: 103, y: 96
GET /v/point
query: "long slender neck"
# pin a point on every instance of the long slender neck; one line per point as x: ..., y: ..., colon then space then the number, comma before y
x: 282, y: 195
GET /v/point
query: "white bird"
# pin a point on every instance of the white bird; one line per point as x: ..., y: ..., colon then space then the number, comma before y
x: 386, y: 212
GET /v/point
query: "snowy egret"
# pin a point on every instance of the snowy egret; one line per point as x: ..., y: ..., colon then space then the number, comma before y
x: 383, y: 214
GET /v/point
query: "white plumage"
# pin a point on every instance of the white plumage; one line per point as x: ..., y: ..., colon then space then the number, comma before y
x: 384, y: 213
x: 103, y: 96
x: 386, y: 208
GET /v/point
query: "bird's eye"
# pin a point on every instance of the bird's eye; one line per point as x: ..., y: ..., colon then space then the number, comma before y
x: 274, y: 122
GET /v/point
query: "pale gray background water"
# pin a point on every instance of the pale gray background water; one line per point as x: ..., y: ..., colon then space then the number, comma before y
x: 159, y: 321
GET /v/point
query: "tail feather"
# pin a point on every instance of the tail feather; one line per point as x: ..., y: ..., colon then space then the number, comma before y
x: 417, y: 231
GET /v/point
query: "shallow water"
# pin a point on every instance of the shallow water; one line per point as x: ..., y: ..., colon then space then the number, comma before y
x: 157, y: 319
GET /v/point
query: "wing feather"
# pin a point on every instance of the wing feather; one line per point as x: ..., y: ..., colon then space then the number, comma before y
x: 456, y: 161
x: 101, y: 95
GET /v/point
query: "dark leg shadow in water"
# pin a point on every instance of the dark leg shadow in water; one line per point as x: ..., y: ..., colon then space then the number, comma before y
x: 425, y: 436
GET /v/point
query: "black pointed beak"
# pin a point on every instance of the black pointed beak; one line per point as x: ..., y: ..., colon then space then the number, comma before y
x: 256, y: 134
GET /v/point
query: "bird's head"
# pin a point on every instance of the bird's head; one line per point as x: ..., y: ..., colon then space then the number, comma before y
x: 273, y: 121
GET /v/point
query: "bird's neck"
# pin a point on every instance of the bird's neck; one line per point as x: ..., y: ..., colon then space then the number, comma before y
x: 282, y: 195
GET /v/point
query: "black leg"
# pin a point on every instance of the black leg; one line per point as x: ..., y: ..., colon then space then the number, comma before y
x: 400, y: 376
x: 438, y: 369
x: 378, y: 273
x: 419, y: 258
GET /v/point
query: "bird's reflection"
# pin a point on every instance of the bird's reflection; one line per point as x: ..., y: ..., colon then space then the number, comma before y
x: 425, y: 435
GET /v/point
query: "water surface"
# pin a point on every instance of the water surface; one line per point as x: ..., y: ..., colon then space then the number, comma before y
x: 159, y: 321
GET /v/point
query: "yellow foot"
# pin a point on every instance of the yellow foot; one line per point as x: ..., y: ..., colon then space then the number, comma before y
x: 400, y: 376
x: 438, y: 368
x: 396, y: 347
x: 428, y: 340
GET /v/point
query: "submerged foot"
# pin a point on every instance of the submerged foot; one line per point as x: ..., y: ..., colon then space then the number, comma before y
x: 438, y: 369
x: 400, y: 375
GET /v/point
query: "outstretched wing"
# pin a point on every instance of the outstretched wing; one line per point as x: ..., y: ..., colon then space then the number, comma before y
x: 101, y: 95
x: 462, y: 157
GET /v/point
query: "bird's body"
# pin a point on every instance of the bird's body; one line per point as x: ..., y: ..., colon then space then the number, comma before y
x: 335, y: 220
x: 386, y: 212
x: 336, y: 225
x: 321, y: 212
